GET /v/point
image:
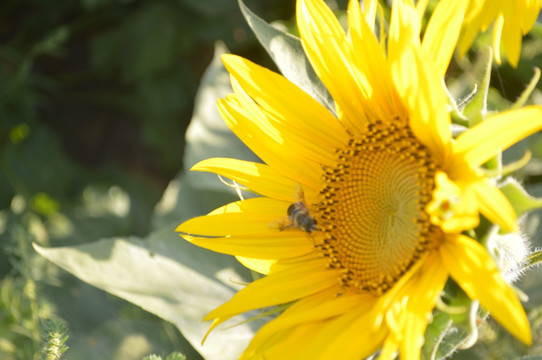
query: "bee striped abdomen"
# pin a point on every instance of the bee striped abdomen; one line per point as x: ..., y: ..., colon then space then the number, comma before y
x: 300, y: 217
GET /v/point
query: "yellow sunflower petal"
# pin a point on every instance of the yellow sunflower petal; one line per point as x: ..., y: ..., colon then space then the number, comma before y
x: 510, y: 20
x: 441, y: 44
x: 389, y: 349
x: 495, y: 206
x: 404, y: 33
x: 488, y: 10
x: 297, y: 111
x: 386, y: 301
x: 421, y: 6
x: 475, y: 271
x: 268, y: 266
x: 369, y: 9
x: 325, y: 44
x: 429, y: 116
x: 417, y: 82
x: 285, y: 264
x: 424, y: 292
x: 279, y: 288
x: 320, y: 306
x: 495, y: 134
x: 414, y: 328
x: 260, y: 348
x: 267, y: 143
x: 349, y: 335
x: 260, y: 247
x: 310, y: 146
x: 530, y: 13
x: 497, y: 37
x: 243, y: 228
x: 229, y: 219
x: 406, y: 310
x: 468, y: 34
x: 288, y: 345
x: 258, y: 177
x: 384, y: 102
x: 256, y: 205
x: 262, y: 266
x: 361, y: 332
x: 511, y: 41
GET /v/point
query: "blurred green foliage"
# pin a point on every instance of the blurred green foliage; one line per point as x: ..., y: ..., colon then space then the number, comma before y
x: 172, y: 356
x: 95, y: 98
x: 53, y: 342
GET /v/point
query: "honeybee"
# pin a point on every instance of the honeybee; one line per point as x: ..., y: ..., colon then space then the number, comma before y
x: 298, y: 215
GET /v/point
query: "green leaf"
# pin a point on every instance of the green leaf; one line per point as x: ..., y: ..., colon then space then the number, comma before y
x: 182, y: 199
x: 476, y: 109
x: 168, y: 277
x: 442, y: 338
x: 521, y: 201
x: 287, y: 52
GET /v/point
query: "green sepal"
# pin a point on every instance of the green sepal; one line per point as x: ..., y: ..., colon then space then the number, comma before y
x: 455, y: 113
x: 528, y: 90
x: 520, y: 200
x: 476, y: 109
x: 510, y: 167
x: 534, y: 259
x: 288, y: 54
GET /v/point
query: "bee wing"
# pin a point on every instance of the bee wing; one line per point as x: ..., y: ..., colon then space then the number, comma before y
x: 299, y: 195
x: 280, y: 223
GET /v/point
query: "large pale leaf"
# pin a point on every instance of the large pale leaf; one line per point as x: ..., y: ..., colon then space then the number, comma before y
x: 287, y: 52
x: 183, y: 200
x: 168, y: 277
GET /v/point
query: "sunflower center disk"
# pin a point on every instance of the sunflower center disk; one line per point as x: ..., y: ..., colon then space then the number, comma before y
x: 372, y: 208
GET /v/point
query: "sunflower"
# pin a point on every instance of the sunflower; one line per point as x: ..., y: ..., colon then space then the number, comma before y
x: 390, y: 191
x: 511, y: 21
